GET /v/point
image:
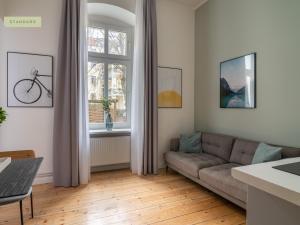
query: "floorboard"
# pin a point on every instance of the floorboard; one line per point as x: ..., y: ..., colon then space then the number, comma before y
x: 118, y: 197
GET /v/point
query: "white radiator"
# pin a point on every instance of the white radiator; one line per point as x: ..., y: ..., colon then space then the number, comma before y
x: 110, y: 150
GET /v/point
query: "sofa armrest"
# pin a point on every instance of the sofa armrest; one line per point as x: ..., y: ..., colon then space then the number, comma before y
x: 174, y: 145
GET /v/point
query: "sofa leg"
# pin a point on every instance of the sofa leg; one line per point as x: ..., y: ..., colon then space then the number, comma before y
x: 167, y: 168
x: 31, y: 204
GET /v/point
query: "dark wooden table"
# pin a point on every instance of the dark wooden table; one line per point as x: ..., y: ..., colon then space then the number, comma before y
x: 16, y: 181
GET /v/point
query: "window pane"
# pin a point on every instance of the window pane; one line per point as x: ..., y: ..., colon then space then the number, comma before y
x: 96, y: 39
x: 95, y: 91
x: 117, y: 90
x: 117, y: 42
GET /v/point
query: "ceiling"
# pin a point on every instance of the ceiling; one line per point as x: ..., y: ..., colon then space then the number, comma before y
x: 193, y: 3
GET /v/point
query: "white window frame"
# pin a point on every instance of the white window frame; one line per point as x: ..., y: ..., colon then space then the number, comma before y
x: 114, y: 59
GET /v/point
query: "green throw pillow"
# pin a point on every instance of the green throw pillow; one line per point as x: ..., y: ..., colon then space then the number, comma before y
x: 190, y: 143
x: 266, y: 153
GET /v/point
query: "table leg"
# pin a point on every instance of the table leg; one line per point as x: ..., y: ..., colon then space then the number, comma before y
x: 21, y: 212
x: 31, y: 203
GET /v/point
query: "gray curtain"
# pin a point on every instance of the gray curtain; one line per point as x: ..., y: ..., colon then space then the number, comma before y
x: 150, y: 150
x: 66, y: 113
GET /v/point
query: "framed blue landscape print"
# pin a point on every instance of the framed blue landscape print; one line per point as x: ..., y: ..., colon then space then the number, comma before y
x: 238, y: 82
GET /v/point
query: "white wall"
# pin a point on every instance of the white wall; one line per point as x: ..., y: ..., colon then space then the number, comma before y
x: 32, y: 128
x: 176, y: 49
x: 28, y: 128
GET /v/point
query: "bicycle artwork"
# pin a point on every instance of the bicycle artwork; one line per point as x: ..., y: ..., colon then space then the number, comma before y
x: 29, y: 91
x: 29, y: 80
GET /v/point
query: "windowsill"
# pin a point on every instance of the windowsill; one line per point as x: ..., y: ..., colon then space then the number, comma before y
x: 113, y: 133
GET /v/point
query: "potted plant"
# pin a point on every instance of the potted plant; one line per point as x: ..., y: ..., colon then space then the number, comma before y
x: 106, y: 103
x: 3, y: 115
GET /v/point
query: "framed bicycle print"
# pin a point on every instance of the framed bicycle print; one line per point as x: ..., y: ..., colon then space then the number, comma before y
x: 29, y: 80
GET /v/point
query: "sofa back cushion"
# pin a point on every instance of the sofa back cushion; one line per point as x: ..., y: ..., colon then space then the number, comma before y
x: 243, y: 151
x: 217, y: 144
x: 190, y: 143
x: 266, y: 153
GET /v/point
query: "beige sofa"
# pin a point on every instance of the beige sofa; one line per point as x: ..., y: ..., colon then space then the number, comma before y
x: 212, y: 167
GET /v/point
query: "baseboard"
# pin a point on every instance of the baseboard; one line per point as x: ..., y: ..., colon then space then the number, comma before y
x: 110, y: 167
x: 43, y: 178
x: 46, y: 178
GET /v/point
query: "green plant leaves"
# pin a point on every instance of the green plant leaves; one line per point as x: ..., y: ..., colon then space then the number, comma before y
x: 3, y: 115
x: 106, y: 103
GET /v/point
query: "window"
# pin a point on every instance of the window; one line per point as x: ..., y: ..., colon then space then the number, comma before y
x: 96, y: 39
x: 117, y: 42
x: 109, y: 74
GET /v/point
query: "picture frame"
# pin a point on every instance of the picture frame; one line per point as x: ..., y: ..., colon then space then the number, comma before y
x: 238, y: 82
x: 29, y: 80
x: 169, y: 87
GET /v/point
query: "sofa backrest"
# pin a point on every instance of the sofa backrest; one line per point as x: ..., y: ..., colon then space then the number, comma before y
x: 217, y: 144
x: 243, y: 151
x: 289, y: 152
x: 235, y: 150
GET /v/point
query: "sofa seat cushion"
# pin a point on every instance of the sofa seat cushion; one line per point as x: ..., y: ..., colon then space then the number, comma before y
x: 220, y: 178
x: 190, y: 163
x: 217, y: 144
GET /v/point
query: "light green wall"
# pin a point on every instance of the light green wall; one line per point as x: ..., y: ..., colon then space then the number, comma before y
x: 231, y: 28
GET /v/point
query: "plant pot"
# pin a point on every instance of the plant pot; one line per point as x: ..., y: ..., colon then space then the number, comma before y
x: 109, y: 123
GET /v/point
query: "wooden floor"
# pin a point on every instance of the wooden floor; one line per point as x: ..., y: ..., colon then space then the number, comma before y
x: 121, y: 198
